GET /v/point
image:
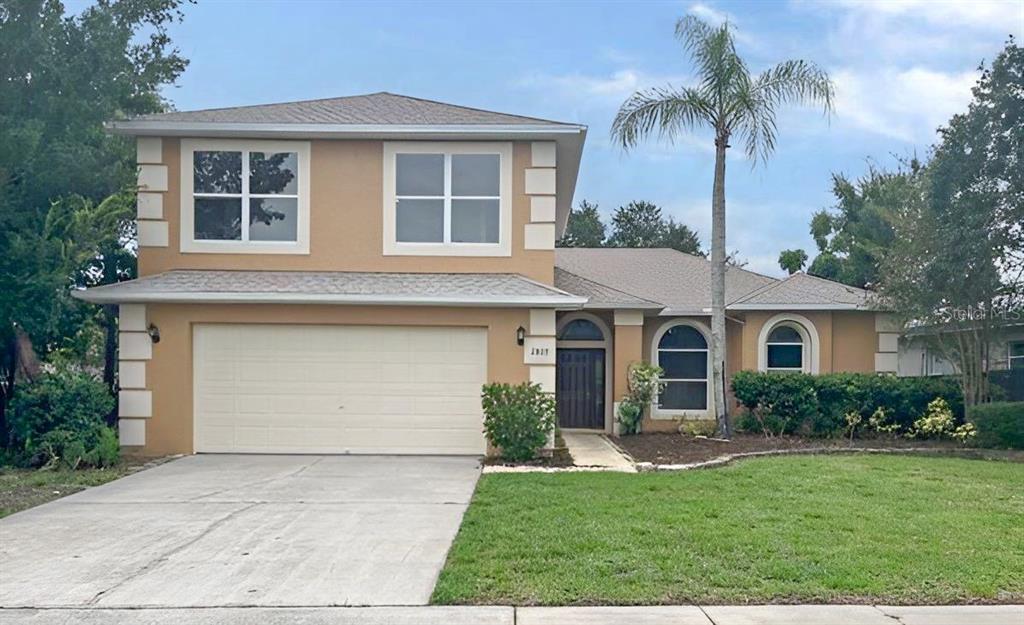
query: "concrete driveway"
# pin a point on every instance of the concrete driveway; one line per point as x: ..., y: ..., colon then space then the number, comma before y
x: 243, y: 531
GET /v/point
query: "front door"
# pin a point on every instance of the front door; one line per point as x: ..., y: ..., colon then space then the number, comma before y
x: 580, y: 388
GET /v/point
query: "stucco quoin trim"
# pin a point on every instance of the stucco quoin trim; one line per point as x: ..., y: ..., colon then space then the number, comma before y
x: 803, y: 325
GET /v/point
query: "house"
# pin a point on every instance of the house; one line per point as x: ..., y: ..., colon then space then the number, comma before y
x: 342, y: 275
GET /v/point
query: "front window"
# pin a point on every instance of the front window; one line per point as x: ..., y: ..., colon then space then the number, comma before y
x: 683, y: 355
x: 244, y: 196
x: 581, y: 330
x: 785, y: 347
x: 1016, y: 355
x: 447, y: 198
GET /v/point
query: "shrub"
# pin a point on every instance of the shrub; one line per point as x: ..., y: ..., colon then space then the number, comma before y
x: 517, y: 418
x: 644, y: 384
x: 821, y: 405
x: 60, y: 419
x: 999, y: 424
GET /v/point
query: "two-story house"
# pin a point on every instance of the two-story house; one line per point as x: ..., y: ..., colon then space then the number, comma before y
x: 342, y: 276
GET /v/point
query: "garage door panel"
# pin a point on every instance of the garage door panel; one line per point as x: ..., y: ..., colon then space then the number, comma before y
x: 338, y: 389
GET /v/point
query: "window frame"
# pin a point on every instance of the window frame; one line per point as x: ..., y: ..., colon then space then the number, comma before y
x: 393, y: 247
x: 1010, y: 357
x: 658, y: 412
x: 802, y: 344
x: 188, y: 242
x: 805, y: 327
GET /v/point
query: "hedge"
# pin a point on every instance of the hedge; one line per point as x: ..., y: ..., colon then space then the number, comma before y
x: 817, y: 404
x: 1000, y: 424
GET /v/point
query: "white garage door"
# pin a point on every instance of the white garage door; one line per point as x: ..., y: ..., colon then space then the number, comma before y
x: 338, y: 389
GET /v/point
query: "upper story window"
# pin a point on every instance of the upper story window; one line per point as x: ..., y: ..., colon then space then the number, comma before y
x: 447, y: 198
x: 245, y: 196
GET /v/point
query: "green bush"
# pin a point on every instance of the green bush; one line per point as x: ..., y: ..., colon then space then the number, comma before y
x: 819, y: 405
x: 60, y: 419
x: 999, y: 424
x: 644, y: 383
x: 517, y: 418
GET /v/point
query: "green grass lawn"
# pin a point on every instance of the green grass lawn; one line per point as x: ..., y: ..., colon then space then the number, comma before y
x: 809, y: 528
x: 25, y: 488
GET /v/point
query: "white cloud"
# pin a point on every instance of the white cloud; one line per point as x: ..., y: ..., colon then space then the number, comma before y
x: 994, y: 15
x: 710, y: 15
x: 905, y: 104
x: 607, y: 88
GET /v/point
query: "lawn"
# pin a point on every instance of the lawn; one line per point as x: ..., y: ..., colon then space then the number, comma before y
x: 809, y: 529
x: 25, y: 488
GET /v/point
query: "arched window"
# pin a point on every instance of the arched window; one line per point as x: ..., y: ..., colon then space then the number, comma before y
x: 581, y: 330
x: 785, y: 348
x: 683, y: 355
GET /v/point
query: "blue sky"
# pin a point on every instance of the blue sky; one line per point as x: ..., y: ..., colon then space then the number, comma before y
x: 901, y: 68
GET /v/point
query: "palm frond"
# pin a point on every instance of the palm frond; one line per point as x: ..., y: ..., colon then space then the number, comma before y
x: 796, y: 82
x: 663, y: 111
x: 713, y: 51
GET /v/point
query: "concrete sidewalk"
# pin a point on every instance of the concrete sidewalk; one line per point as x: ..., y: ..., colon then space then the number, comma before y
x: 499, y: 615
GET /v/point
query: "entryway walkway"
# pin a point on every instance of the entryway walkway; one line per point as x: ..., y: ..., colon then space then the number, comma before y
x: 590, y: 449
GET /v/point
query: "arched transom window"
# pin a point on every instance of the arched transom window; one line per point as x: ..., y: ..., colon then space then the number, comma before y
x: 683, y: 355
x: 786, y: 348
x: 581, y: 330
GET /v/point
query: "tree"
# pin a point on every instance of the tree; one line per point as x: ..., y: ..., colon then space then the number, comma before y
x: 731, y: 102
x: 680, y: 237
x: 585, y: 228
x: 637, y: 224
x: 956, y: 266
x: 61, y: 77
x: 792, y: 260
x: 853, y: 235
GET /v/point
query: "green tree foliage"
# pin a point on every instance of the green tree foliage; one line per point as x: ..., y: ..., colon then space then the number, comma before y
x: 957, y: 257
x: 61, y: 77
x: 641, y: 224
x: 792, y: 260
x: 853, y: 235
x: 585, y: 228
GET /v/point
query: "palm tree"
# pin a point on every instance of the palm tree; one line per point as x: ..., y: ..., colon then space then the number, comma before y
x: 731, y: 102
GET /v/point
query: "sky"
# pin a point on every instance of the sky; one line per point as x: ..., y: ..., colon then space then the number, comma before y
x: 901, y: 69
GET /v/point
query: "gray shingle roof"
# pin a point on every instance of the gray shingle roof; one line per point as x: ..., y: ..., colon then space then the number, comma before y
x: 373, y: 109
x: 600, y: 295
x: 681, y: 282
x: 801, y: 289
x: 477, y: 289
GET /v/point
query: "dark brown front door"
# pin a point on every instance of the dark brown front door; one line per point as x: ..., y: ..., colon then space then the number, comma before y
x: 580, y: 388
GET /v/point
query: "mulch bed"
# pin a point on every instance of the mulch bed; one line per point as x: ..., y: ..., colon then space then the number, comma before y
x: 684, y: 449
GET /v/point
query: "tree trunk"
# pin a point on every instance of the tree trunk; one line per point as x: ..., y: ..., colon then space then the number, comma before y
x: 718, y: 288
x: 110, y: 317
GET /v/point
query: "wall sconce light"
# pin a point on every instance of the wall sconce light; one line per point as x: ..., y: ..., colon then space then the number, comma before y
x: 520, y: 335
x: 154, y: 333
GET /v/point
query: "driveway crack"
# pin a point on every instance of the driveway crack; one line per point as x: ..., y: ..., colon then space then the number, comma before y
x: 261, y: 482
x: 886, y: 614
x: 155, y: 562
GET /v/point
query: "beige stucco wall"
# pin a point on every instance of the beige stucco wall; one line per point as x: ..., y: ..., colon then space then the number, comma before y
x: 346, y: 221
x: 169, y: 372
x: 847, y: 339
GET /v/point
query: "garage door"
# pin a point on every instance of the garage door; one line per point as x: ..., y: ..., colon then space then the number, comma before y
x: 338, y: 389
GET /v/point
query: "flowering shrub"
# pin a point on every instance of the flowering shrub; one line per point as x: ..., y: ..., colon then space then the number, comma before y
x: 938, y: 422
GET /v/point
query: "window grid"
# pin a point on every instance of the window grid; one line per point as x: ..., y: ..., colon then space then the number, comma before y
x: 800, y: 344
x: 245, y: 196
x: 1015, y: 361
x: 447, y: 198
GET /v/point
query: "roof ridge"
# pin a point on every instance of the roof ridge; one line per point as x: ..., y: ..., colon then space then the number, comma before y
x: 473, y: 108
x: 603, y: 285
x: 830, y: 281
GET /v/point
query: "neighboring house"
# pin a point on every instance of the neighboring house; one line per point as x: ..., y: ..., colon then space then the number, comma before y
x: 918, y: 357
x: 342, y: 275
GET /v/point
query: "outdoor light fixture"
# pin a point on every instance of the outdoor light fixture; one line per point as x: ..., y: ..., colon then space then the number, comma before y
x: 520, y: 335
x: 154, y: 333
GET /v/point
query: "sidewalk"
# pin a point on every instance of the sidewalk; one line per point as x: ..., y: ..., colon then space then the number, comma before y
x: 499, y: 615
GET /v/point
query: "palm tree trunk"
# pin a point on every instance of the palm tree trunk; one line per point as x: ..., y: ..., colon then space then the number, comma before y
x: 718, y: 288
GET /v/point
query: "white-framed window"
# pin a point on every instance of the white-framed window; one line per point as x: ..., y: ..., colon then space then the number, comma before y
x: 1015, y: 354
x: 244, y: 197
x: 447, y: 199
x: 681, y: 350
x: 785, y: 349
x: 788, y: 342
